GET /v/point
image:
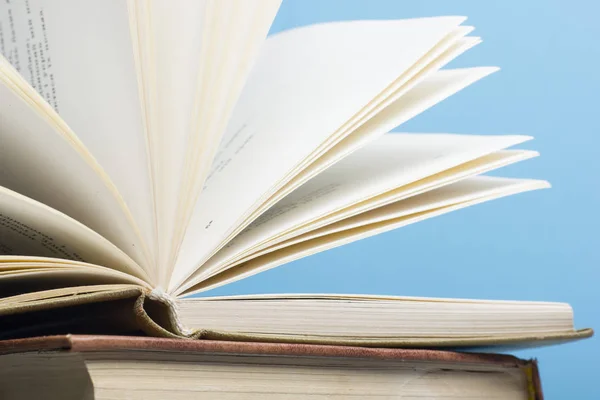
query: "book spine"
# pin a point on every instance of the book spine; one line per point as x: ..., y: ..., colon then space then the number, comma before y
x: 534, y: 383
x: 158, y: 294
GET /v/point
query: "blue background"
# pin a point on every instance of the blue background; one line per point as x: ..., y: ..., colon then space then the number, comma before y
x: 534, y: 246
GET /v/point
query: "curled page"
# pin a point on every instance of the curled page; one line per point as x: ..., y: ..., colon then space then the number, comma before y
x: 32, y: 228
x: 78, y: 56
x: 307, y: 83
x: 430, y: 204
x: 39, y: 160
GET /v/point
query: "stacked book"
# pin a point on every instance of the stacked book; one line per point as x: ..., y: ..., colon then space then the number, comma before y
x: 152, y: 150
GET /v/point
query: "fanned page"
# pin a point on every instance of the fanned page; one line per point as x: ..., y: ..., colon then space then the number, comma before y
x: 32, y: 228
x: 429, y: 91
x: 194, y: 60
x: 38, y: 160
x: 78, y: 56
x: 34, y: 278
x: 362, y: 196
x: 394, y: 161
x: 104, y: 84
x: 395, y: 215
x: 306, y: 85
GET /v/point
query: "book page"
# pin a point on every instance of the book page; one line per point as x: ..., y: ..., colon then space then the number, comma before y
x: 203, y: 52
x: 358, y: 297
x: 352, y: 216
x: 37, y: 161
x: 427, y: 205
x: 30, y: 228
x: 306, y: 84
x: 388, y: 316
x: 390, y: 162
x: 433, y: 89
x: 66, y: 291
x: 78, y: 55
x: 175, y: 43
x: 452, y: 46
x: 436, y: 87
x: 40, y: 274
x: 417, y: 89
x: 347, y: 218
x: 478, y: 187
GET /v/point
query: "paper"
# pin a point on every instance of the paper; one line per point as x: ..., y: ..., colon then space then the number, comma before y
x: 391, y: 162
x: 38, y: 162
x: 42, y: 274
x: 307, y: 83
x: 203, y: 52
x: 434, y: 88
x: 449, y: 198
x: 78, y: 55
x: 32, y: 228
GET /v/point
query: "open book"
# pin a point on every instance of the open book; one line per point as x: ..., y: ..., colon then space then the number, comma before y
x: 150, y: 150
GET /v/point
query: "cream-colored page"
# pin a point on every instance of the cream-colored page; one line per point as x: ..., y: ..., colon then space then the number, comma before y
x: 78, y: 55
x: 203, y: 52
x: 372, y: 316
x: 452, y: 46
x: 392, y: 161
x: 350, y: 217
x: 366, y: 124
x: 236, y: 42
x: 28, y: 227
x: 41, y: 274
x: 306, y: 84
x: 63, y: 292
x: 436, y: 87
x: 437, y: 202
x: 478, y: 187
x: 176, y: 40
x: 345, y: 218
x: 38, y: 162
x: 375, y: 298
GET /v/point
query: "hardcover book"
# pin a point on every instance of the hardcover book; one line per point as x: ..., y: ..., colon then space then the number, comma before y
x: 112, y: 367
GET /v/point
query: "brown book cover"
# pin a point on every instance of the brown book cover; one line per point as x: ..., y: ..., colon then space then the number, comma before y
x: 99, y: 343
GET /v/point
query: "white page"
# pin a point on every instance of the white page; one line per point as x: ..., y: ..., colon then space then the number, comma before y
x: 464, y: 191
x: 436, y: 87
x: 376, y: 209
x: 437, y: 202
x: 452, y: 46
x: 352, y: 216
x: 30, y: 228
x: 343, y: 219
x: 390, y: 162
x: 416, y: 84
x: 176, y: 41
x: 237, y: 35
x: 37, y: 161
x: 307, y: 83
x: 78, y: 55
x: 203, y: 52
